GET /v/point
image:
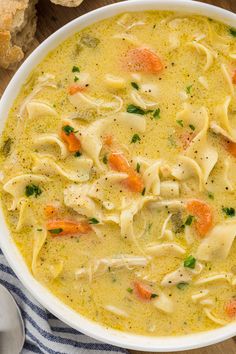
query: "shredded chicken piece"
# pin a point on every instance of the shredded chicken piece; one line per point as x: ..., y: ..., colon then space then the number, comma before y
x: 102, y: 265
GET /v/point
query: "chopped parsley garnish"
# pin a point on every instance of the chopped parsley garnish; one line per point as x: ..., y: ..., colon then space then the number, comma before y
x: 31, y: 190
x: 153, y: 296
x: 55, y: 231
x: 188, y: 89
x: 156, y: 114
x: 232, y: 31
x: 182, y: 286
x: 130, y: 290
x: 138, y: 167
x: 143, y: 191
x: 230, y: 212
x: 189, y: 220
x: 131, y: 108
x: 149, y: 227
x: 93, y: 221
x: 76, y: 78
x: 75, y: 69
x: 77, y: 154
x: 135, y: 85
x: 177, y: 222
x: 210, y: 195
x: 39, y: 229
x: 135, y: 138
x: 191, y: 126
x: 6, y: 148
x: 180, y: 122
x: 90, y: 41
x: 104, y: 160
x: 68, y: 129
x: 190, y: 262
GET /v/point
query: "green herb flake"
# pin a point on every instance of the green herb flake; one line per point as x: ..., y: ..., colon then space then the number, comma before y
x: 105, y: 160
x: 76, y: 78
x: 32, y: 190
x: 130, y: 290
x: 138, y: 167
x: 75, y: 69
x: 188, y: 89
x: 135, y: 85
x: 232, y: 31
x: 230, y: 212
x: 192, y: 127
x: 55, y: 231
x: 153, y: 296
x: 211, y: 195
x: 39, y: 229
x: 89, y: 41
x: 177, y: 222
x: 190, y: 262
x: 77, y: 154
x: 93, y: 221
x: 143, y: 191
x: 157, y: 114
x: 189, y: 220
x: 68, y: 129
x: 182, y: 286
x: 180, y: 122
x: 135, y: 139
x: 149, y: 227
x: 135, y: 109
x: 6, y: 148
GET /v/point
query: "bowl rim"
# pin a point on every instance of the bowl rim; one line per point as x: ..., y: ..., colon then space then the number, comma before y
x: 14, y: 258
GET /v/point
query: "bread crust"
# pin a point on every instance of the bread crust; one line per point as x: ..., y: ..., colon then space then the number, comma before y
x: 17, y: 29
x: 9, y: 54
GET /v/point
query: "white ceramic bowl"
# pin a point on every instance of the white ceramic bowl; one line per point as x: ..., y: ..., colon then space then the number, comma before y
x: 49, y: 301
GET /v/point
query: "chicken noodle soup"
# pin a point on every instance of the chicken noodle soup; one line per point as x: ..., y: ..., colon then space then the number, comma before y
x: 117, y: 173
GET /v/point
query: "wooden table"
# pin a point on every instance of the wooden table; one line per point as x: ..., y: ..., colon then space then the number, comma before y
x: 57, y: 16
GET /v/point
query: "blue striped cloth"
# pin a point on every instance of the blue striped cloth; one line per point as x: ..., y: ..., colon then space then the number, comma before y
x: 44, y: 332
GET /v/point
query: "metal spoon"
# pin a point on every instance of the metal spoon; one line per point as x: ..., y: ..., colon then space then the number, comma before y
x: 12, y: 329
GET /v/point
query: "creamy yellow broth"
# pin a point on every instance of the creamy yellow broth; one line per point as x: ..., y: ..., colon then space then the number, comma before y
x: 198, y: 57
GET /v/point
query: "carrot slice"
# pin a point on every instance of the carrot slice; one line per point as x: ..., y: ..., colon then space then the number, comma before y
x: 230, y: 308
x: 234, y: 77
x: 72, y: 141
x: 142, y: 291
x: 203, y: 214
x: 231, y: 147
x: 75, y: 88
x: 143, y: 60
x: 65, y: 227
x: 50, y: 210
x: 108, y: 140
x: 134, y: 182
x: 119, y: 163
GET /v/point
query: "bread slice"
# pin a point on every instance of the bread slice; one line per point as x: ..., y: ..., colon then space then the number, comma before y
x: 68, y: 3
x: 17, y: 29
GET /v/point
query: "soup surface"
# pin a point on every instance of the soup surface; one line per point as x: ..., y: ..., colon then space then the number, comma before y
x: 118, y: 173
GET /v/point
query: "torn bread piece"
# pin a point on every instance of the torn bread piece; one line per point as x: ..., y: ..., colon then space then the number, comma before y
x: 69, y: 3
x: 17, y: 29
